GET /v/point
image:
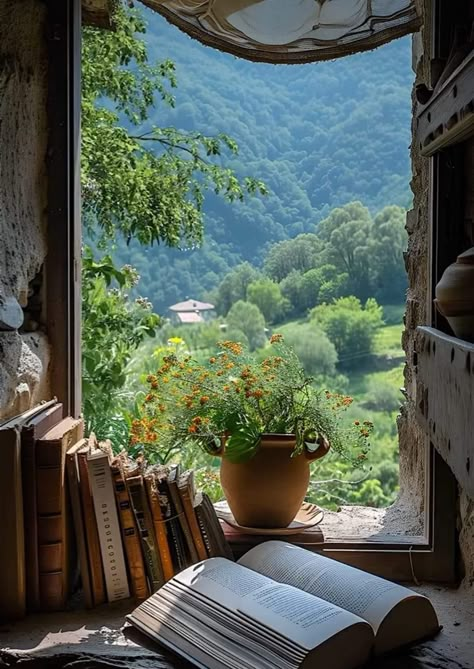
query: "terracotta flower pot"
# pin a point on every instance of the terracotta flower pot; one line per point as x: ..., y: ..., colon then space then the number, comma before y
x: 268, y: 489
x: 455, y: 296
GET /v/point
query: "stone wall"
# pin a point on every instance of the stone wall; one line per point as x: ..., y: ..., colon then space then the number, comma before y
x: 413, y: 442
x: 24, y: 351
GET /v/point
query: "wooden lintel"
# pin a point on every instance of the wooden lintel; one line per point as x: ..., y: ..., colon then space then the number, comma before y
x: 445, y: 399
x: 448, y: 118
x: 97, y: 13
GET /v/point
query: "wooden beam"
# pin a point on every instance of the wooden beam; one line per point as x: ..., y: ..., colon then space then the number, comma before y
x: 448, y: 118
x: 97, y: 13
x: 64, y: 209
x: 445, y: 400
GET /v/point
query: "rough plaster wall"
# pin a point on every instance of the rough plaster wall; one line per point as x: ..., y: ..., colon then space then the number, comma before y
x: 412, y: 439
x: 23, y: 137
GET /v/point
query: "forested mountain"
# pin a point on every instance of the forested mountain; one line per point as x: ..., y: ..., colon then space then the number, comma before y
x: 320, y: 136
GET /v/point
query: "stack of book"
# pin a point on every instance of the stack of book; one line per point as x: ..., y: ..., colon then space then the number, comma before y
x: 74, y: 513
x: 136, y: 526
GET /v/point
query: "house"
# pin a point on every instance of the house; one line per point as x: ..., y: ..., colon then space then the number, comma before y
x: 40, y: 256
x: 191, y: 311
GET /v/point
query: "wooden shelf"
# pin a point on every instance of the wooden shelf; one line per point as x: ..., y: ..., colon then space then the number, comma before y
x: 445, y: 399
x: 448, y: 117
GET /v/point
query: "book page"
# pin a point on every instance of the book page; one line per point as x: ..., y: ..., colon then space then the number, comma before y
x: 299, y: 616
x: 363, y: 594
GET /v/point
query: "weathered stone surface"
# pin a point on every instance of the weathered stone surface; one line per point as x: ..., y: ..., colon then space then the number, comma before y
x: 23, y: 138
x: 24, y: 362
x: 11, y: 314
x: 23, y: 189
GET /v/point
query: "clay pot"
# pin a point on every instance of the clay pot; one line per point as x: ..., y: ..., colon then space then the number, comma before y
x: 268, y: 490
x: 455, y: 295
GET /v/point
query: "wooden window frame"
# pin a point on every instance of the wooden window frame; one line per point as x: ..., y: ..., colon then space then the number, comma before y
x: 429, y: 557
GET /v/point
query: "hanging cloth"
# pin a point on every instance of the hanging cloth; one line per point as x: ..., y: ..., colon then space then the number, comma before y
x: 291, y: 31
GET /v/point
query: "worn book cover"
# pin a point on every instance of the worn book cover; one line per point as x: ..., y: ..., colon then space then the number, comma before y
x: 34, y: 429
x: 160, y: 526
x: 173, y: 476
x: 90, y: 526
x: 144, y: 521
x: 108, y: 526
x: 130, y: 535
x: 55, y: 538
x: 188, y: 493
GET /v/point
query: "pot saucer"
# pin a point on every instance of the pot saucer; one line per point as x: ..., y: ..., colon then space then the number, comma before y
x: 308, y: 516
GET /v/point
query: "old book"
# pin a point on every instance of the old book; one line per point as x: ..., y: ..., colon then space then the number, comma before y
x: 130, y: 535
x: 55, y: 549
x: 176, y: 539
x: 72, y: 470
x: 32, y: 430
x: 282, y: 607
x: 213, y: 535
x: 108, y: 526
x: 12, y: 553
x: 160, y: 526
x: 144, y: 521
x: 173, y: 476
x: 90, y: 526
x: 187, y: 492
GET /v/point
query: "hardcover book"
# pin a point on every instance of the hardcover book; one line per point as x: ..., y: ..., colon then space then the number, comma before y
x: 282, y: 607
x: 173, y: 476
x: 144, y: 521
x: 130, y: 535
x: 108, y: 527
x: 160, y: 525
x: 32, y: 430
x: 55, y: 554
x: 188, y: 495
x: 12, y: 553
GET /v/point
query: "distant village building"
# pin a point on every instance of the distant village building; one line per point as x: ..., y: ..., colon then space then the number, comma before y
x: 192, y: 311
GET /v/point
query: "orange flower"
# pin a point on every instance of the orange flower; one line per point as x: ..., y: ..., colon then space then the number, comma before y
x: 258, y: 393
x: 356, y: 422
x: 192, y: 428
x: 203, y: 399
x: 149, y: 397
x: 212, y: 360
x: 275, y: 338
x: 197, y: 420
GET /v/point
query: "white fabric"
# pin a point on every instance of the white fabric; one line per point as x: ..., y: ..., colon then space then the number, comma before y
x: 289, y: 25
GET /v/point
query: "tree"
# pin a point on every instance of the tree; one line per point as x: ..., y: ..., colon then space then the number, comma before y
x: 351, y: 327
x: 299, y: 254
x: 138, y: 183
x: 266, y: 295
x: 387, y: 243
x: 317, y: 354
x: 346, y: 233
x: 249, y: 319
x: 233, y: 286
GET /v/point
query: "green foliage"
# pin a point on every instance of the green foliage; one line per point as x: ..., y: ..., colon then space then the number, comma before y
x: 234, y: 287
x: 234, y: 398
x: 314, y: 350
x: 266, y: 295
x: 299, y: 254
x: 113, y: 328
x: 351, y: 327
x: 382, y: 396
x: 247, y: 318
x: 148, y: 184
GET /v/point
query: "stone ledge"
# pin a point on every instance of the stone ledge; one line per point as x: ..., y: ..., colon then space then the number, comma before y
x: 94, y: 640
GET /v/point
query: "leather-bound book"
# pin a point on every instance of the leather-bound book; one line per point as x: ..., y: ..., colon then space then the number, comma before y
x: 174, y: 531
x: 12, y: 550
x: 159, y: 523
x: 72, y: 469
x: 216, y: 543
x: 191, y: 551
x: 52, y: 504
x: 188, y: 493
x: 130, y: 535
x: 144, y: 521
x: 34, y: 429
x: 90, y: 526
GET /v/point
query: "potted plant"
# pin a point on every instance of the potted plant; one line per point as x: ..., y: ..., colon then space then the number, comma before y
x: 264, y: 418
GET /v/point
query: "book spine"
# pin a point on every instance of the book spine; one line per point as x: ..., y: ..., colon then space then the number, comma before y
x: 220, y: 547
x: 202, y: 526
x: 192, y: 522
x: 78, y: 519
x: 176, y: 539
x: 28, y: 467
x: 110, y: 541
x: 145, y: 527
x: 183, y: 521
x: 131, y: 539
x: 92, y: 537
x: 160, y: 529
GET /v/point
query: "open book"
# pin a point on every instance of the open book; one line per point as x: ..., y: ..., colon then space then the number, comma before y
x: 282, y: 607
